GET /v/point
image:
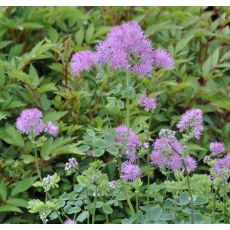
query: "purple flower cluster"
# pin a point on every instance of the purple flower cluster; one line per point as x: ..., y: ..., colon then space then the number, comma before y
x: 148, y: 103
x: 51, y: 129
x: 113, y: 184
x: 82, y: 61
x: 122, y: 44
x: 167, y: 152
x: 130, y: 138
x: 125, y: 47
x: 130, y: 171
x: 222, y: 164
x: 162, y: 59
x: 71, y: 165
x: 216, y: 148
x: 30, y: 121
x: 191, y: 121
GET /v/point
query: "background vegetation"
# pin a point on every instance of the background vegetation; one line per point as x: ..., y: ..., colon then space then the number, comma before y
x: 36, y: 44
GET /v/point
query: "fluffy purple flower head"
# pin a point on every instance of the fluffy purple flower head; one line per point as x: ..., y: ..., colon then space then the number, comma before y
x: 51, y: 129
x: 162, y: 59
x: 122, y: 44
x: 30, y: 121
x: 190, y: 163
x: 191, y: 120
x: 148, y: 103
x: 167, y: 147
x: 121, y: 133
x: 175, y: 162
x: 130, y: 171
x: 216, y: 148
x: 130, y: 138
x: 222, y: 164
x: 131, y: 155
x: 133, y: 140
x: 69, y: 221
x: 158, y: 159
x: 82, y: 61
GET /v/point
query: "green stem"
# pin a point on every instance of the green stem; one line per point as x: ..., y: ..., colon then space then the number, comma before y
x: 214, y: 207
x: 189, y: 186
x: 129, y: 203
x: 137, y: 208
x: 107, y: 218
x: 36, y: 162
x: 119, y: 163
x: 190, y: 192
x: 94, y: 207
x: 175, y: 210
x: 88, y: 209
x: 225, y: 206
x: 148, y: 170
x: 103, y: 103
x: 127, y: 104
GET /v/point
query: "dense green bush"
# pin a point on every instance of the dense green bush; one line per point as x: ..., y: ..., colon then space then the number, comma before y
x: 36, y: 44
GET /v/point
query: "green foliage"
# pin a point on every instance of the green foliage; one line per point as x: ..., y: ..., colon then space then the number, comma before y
x: 36, y: 45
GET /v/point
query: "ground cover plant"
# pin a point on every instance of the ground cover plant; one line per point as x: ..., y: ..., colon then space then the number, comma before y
x: 114, y: 115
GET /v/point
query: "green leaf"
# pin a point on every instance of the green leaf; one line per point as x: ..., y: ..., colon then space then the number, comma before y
x: 98, y: 152
x: 9, y: 208
x: 23, y: 185
x: 73, y: 210
x: 53, y: 147
x: 54, y: 116
x: 53, y: 34
x: 107, y: 209
x: 11, y: 136
x: 210, y: 63
x: 3, y: 190
x: 155, y: 213
x: 182, y: 43
x: 18, y: 202
x: 184, y: 198
x: 89, y: 33
x: 102, y: 30
x: 34, y: 79
x: 48, y: 87
x: 83, y: 216
x: 3, y: 44
x: 79, y: 37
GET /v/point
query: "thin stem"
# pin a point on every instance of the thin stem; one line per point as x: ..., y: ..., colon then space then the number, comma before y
x: 103, y: 103
x: 148, y: 170
x: 119, y: 163
x: 137, y: 208
x: 36, y: 162
x: 189, y: 185
x: 46, y: 196
x: 94, y: 207
x: 129, y: 203
x: 214, y: 207
x: 225, y: 206
x: 107, y: 218
x: 175, y: 210
x: 127, y: 104
x: 88, y: 209
x: 148, y: 165
x: 190, y: 192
